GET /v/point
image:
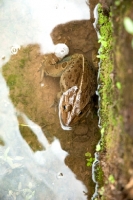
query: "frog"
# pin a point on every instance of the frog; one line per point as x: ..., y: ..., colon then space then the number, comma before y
x: 77, y: 85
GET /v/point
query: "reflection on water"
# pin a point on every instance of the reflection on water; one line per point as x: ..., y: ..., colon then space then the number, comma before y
x: 25, y: 174
x: 41, y: 175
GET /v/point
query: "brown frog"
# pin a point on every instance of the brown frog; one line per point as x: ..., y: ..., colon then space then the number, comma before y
x: 77, y: 83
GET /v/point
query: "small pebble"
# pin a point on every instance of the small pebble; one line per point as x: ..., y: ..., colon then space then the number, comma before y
x: 60, y: 175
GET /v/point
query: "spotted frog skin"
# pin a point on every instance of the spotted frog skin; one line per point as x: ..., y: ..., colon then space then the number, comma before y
x: 77, y: 83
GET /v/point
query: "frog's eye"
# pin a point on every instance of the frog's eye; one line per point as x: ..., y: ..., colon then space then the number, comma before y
x: 64, y: 107
x: 67, y: 108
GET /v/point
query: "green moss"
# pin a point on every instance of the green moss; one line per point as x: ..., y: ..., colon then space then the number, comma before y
x: 12, y: 80
x: 108, y: 104
x: 99, y: 175
x: 22, y: 63
x: 6, y: 67
x: 106, y: 68
x: 14, y: 73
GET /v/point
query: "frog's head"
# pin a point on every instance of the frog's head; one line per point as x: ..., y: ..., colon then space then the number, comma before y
x: 71, y: 109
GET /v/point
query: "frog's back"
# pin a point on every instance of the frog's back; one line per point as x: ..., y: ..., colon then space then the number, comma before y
x: 78, y: 73
x: 88, y: 86
x: 78, y: 85
x: 72, y: 75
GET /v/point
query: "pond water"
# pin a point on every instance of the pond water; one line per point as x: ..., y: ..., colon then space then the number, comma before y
x: 38, y: 159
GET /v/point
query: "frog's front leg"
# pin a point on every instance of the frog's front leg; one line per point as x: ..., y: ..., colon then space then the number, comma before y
x: 49, y: 61
x: 42, y: 70
x: 49, y: 65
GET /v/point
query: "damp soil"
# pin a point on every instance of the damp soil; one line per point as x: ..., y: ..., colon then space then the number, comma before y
x: 38, y: 102
x: 121, y: 162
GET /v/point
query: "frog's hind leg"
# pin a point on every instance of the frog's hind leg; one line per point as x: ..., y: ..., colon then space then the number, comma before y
x: 55, y: 103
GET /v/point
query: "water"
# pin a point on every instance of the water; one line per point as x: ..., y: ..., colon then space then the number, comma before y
x: 28, y: 172
x: 41, y: 174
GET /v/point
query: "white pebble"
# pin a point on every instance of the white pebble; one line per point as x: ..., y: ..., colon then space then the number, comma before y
x: 61, y: 50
